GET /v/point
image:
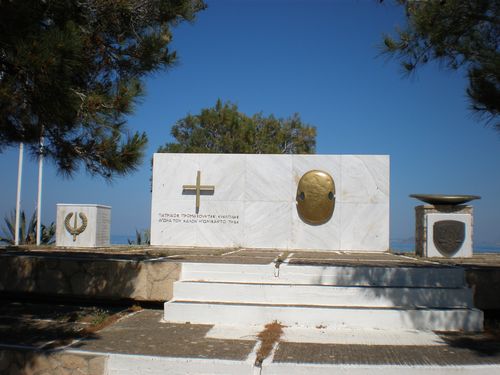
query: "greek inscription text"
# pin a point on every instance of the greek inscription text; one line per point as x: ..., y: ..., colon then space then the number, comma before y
x: 190, y: 218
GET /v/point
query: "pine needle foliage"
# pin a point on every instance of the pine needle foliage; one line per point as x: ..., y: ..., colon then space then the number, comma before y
x: 458, y: 34
x: 223, y: 129
x: 71, y: 71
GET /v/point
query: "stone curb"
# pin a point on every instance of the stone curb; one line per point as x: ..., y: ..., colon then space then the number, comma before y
x: 122, y: 364
x: 326, y: 369
x: 17, y: 360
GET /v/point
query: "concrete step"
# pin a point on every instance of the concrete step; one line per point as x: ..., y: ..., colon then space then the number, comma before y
x: 468, y: 320
x: 322, y: 295
x: 433, y: 276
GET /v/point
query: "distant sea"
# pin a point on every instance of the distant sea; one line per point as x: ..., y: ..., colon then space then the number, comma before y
x: 120, y: 239
x: 396, y: 245
x: 407, y: 247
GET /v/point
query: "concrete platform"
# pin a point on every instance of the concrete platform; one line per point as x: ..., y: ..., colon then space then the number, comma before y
x: 148, y: 274
x: 41, y: 342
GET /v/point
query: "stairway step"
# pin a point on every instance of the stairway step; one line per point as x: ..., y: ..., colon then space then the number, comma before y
x: 322, y: 295
x: 439, y: 276
x: 332, y: 317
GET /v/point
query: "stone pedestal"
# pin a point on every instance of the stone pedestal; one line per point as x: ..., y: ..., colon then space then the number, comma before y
x: 83, y: 225
x: 443, y: 231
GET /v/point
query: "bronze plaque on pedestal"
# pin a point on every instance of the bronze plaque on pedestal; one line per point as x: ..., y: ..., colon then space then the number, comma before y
x: 449, y: 235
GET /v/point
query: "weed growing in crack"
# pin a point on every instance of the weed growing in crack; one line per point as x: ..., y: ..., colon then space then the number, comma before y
x: 268, y: 338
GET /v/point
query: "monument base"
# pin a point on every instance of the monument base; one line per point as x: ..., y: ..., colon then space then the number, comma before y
x: 331, y: 297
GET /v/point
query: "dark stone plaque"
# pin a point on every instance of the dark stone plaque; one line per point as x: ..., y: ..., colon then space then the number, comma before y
x: 449, y: 235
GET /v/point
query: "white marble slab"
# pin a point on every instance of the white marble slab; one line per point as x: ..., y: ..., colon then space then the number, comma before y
x: 220, y: 224
x: 171, y: 172
x: 364, y: 226
x: 268, y: 178
x: 171, y: 220
x: 258, y: 194
x: 227, y: 174
x: 365, y: 179
x: 267, y: 224
x: 316, y: 237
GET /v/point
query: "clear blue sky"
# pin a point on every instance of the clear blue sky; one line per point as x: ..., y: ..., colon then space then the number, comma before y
x: 319, y: 59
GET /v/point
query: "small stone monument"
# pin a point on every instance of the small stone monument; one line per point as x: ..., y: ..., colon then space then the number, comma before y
x: 83, y: 225
x: 443, y: 227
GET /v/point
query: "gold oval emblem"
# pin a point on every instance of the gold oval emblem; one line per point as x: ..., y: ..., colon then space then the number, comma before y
x: 316, y: 197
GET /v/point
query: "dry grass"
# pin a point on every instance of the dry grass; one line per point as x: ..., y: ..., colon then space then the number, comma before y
x: 103, y: 320
x: 268, y: 338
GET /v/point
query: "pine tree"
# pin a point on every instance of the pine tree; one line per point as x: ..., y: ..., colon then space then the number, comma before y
x: 223, y: 129
x: 457, y: 34
x: 71, y: 71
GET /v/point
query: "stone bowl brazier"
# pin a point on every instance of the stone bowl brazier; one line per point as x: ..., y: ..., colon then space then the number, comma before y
x: 442, y: 199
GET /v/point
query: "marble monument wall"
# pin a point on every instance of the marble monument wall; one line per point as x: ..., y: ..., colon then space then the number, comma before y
x: 251, y: 201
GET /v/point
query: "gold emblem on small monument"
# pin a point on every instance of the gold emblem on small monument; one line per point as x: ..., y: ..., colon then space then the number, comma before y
x: 198, y: 189
x: 75, y: 230
x: 315, y: 197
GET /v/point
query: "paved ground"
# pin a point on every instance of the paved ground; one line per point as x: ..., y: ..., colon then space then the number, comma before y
x: 487, y: 352
x: 42, y: 326
x: 143, y: 334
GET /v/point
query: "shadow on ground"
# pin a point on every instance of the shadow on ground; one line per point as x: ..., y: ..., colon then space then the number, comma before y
x: 32, y: 334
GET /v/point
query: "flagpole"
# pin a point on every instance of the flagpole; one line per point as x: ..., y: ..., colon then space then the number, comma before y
x: 18, y: 195
x: 39, y: 198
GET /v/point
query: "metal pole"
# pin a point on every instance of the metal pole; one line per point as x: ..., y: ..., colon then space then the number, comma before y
x: 18, y: 195
x: 39, y: 199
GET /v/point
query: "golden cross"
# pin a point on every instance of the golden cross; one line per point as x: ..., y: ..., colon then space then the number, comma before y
x: 198, y: 189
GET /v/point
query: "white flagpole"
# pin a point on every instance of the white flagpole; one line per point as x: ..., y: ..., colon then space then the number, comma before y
x: 18, y: 195
x: 39, y: 199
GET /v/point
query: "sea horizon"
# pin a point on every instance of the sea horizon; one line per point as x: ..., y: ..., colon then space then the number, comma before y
x: 396, y: 245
